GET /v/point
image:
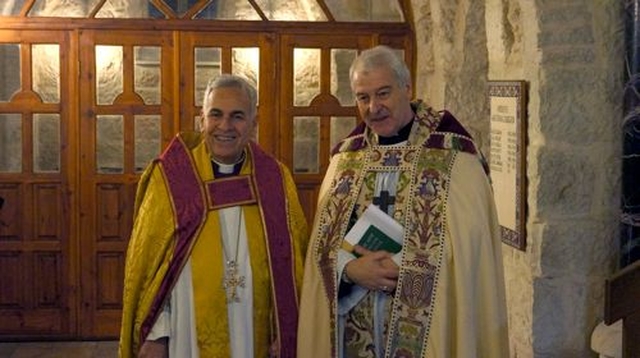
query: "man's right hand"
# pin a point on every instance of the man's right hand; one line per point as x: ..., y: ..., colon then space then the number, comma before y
x: 374, y: 270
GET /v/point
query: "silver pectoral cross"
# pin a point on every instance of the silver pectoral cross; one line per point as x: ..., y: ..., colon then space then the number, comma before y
x: 232, y: 281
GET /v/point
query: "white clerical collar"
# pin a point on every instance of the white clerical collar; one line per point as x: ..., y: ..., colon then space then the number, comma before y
x: 224, y: 168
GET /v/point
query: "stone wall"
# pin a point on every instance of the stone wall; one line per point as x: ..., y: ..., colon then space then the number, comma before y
x: 571, y: 55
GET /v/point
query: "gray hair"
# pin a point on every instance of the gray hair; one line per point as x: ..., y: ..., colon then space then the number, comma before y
x: 381, y: 56
x: 226, y: 80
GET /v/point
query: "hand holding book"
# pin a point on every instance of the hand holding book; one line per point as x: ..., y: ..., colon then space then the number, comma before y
x: 374, y: 230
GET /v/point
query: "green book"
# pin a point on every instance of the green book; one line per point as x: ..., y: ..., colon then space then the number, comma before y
x: 375, y: 230
x: 374, y: 239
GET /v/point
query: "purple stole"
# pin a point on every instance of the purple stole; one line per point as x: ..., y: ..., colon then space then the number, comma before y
x: 193, y: 198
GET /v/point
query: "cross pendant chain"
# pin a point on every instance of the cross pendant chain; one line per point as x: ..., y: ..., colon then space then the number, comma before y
x: 232, y: 281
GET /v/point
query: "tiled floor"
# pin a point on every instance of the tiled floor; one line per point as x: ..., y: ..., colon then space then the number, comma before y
x: 105, y: 349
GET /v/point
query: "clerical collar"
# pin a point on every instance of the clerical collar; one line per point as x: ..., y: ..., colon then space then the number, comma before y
x: 222, y: 170
x: 403, y: 135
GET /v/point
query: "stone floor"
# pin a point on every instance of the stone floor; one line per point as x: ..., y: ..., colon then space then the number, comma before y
x: 104, y: 349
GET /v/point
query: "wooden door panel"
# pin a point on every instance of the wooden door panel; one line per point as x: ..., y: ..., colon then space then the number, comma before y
x: 12, y: 261
x: 47, y: 214
x: 114, y: 212
x: 113, y: 218
x: 12, y: 293
x: 322, y: 105
x: 37, y: 267
x: 34, y: 263
x: 10, y: 213
x: 121, y: 117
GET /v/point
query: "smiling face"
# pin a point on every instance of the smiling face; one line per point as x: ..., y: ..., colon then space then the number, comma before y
x: 228, y: 123
x: 384, y: 105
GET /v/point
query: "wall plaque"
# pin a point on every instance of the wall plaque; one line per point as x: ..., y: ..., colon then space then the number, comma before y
x: 507, y: 158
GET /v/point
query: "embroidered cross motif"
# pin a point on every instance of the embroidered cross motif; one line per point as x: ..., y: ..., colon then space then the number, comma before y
x: 384, y: 200
x: 232, y: 281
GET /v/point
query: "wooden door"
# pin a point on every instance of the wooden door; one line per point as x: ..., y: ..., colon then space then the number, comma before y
x: 37, y: 173
x: 318, y: 108
x: 316, y: 103
x: 127, y: 116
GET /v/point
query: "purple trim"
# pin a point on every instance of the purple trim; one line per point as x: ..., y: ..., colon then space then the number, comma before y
x: 460, y: 139
x: 273, y: 201
x: 356, y: 139
x: 230, y: 191
x: 184, y: 188
x: 190, y: 204
x: 449, y: 123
